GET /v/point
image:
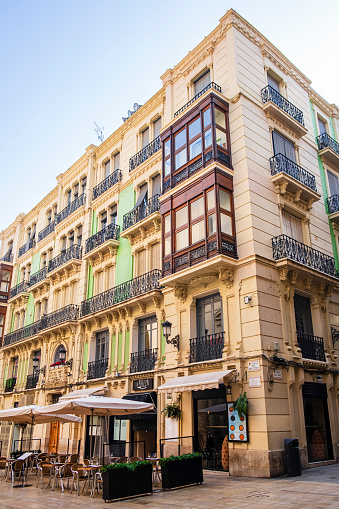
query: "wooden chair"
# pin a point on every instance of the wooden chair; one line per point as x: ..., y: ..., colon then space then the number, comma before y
x: 122, y: 459
x: 64, y: 472
x: 3, y: 467
x: 74, y: 458
x: 134, y: 458
x: 19, y: 470
x: 79, y: 475
x: 86, y: 462
x: 43, y: 469
x: 62, y: 458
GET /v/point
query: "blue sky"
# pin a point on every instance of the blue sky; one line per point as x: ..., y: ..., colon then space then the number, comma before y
x: 66, y: 64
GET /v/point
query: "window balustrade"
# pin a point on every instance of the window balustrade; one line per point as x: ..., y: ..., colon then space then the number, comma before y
x: 207, y: 347
x: 144, y: 210
x: 46, y: 231
x: 32, y: 381
x: 325, y: 141
x: 26, y: 247
x: 21, y: 287
x: 286, y: 247
x: 281, y: 163
x: 108, y: 182
x: 270, y: 94
x: 196, y: 97
x: 67, y: 211
x: 312, y: 347
x: 37, y: 277
x: 7, y: 258
x: 10, y: 384
x: 97, y: 369
x: 72, y: 253
x: 111, y: 232
x: 145, y: 153
x: 144, y: 360
x: 333, y: 204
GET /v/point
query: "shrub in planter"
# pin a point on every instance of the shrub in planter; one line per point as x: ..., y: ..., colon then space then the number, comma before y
x: 126, y: 480
x: 181, y: 470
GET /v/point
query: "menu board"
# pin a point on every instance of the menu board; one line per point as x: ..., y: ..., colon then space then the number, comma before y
x: 237, y: 426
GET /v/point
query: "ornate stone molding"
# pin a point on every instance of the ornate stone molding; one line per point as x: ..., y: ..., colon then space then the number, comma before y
x: 180, y: 292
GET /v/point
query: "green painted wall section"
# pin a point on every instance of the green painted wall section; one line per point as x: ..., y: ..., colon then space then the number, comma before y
x: 127, y: 336
x: 332, y: 129
x: 113, y: 340
x: 5, y: 377
x: 35, y: 263
x: 85, y: 357
x: 90, y: 282
x: 119, y: 360
x: 162, y: 343
x: 124, y: 261
x: 19, y: 372
x: 29, y: 316
x: 94, y: 224
x: 18, y: 276
x: 12, y: 321
x: 325, y: 191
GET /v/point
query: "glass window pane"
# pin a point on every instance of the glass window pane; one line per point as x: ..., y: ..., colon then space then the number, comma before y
x: 220, y: 118
x: 210, y: 200
x: 182, y: 239
x: 194, y: 128
x: 212, y: 224
x: 167, y: 148
x: 167, y: 246
x: 180, y: 158
x: 167, y: 224
x: 225, y: 200
x: 181, y: 217
x: 221, y: 138
x: 6, y: 275
x: 207, y: 117
x: 197, y: 208
x: 198, y: 231
x: 273, y: 83
x: 4, y: 287
x: 167, y: 166
x: 226, y: 224
x: 208, y: 138
x: 195, y: 148
x: 180, y: 139
x: 2, y: 319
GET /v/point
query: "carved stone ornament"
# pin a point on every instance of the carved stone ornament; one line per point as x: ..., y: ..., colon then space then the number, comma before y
x: 227, y: 276
x: 323, y: 305
x: 203, y: 280
x: 308, y: 282
x: 283, y: 274
x: 294, y: 276
x: 287, y: 293
x: 142, y: 307
x: 180, y: 292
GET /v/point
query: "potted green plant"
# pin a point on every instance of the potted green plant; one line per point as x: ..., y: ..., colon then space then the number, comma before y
x: 172, y: 411
x: 181, y: 470
x: 122, y: 480
x: 241, y: 405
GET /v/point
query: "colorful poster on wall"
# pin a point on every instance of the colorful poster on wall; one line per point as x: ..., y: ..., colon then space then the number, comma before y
x: 237, y: 426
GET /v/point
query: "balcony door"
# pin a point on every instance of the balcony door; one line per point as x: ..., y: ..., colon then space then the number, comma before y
x: 303, y: 316
x: 282, y: 145
x: 209, y: 315
x: 102, y: 345
x: 148, y: 333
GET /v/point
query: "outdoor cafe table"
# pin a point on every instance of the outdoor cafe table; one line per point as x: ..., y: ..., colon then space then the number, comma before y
x: 9, y: 462
x: 156, y: 473
x: 53, y: 470
x: 91, y: 469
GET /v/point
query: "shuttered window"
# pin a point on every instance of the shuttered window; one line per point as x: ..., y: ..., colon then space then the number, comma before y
x: 141, y: 262
x: 273, y: 83
x: 282, y: 145
x: 110, y: 277
x: 292, y: 226
x: 202, y: 82
x: 155, y: 256
x: 100, y: 282
x: 333, y: 183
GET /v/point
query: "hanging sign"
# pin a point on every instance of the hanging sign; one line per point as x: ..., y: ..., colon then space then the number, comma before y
x: 237, y: 426
x: 143, y: 384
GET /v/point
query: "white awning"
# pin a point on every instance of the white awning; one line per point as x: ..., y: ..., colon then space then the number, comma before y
x: 209, y: 380
x: 83, y: 393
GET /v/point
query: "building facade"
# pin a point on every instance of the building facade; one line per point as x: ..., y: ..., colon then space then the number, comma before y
x: 214, y: 207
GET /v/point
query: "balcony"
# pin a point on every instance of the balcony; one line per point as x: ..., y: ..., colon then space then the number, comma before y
x: 20, y: 288
x: 286, y: 248
x: 67, y: 211
x: 39, y: 279
x: 26, y: 247
x: 328, y: 148
x: 69, y: 259
x: 7, y: 258
x: 97, y: 369
x: 105, y: 240
x: 145, y: 153
x: 133, y: 288
x: 32, y: 381
x: 105, y: 184
x: 207, y: 348
x: 196, y: 97
x: 46, y: 231
x: 312, y: 347
x: 141, y: 217
x: 143, y: 361
x: 288, y: 176
x: 283, y: 110
x: 10, y: 384
x: 69, y: 313
x: 333, y: 208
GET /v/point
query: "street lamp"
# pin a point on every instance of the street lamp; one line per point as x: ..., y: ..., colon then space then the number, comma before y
x: 35, y: 363
x: 62, y: 354
x: 166, y: 330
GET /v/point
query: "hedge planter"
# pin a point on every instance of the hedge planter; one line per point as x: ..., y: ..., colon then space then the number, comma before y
x: 182, y: 472
x: 124, y: 482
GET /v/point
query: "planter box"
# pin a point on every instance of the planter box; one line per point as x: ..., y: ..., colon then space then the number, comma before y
x: 122, y: 483
x: 182, y: 473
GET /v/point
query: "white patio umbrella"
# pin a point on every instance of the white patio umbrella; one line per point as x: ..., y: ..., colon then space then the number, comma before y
x: 31, y: 414
x: 97, y: 405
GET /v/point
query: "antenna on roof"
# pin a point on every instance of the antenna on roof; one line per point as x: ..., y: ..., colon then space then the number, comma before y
x: 99, y: 132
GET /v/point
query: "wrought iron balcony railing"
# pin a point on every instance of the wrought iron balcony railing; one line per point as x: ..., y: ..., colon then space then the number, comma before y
x: 108, y: 182
x: 132, y: 288
x: 26, y: 247
x: 72, y: 253
x: 312, y: 347
x: 67, y: 211
x: 143, y: 361
x: 196, y: 97
x: 281, y: 163
x: 32, y: 381
x: 68, y: 313
x: 270, y: 94
x: 37, y: 277
x: 145, y: 209
x: 10, y: 384
x: 145, y: 153
x: 21, y: 287
x: 46, y: 231
x: 207, y: 348
x: 325, y: 141
x: 97, y: 369
x: 111, y: 232
x: 333, y: 204
x: 286, y: 247
x: 7, y: 258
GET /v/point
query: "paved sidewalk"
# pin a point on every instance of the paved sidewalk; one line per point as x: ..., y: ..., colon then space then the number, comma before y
x: 316, y: 488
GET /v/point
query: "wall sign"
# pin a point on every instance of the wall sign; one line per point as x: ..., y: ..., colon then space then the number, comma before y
x: 143, y: 384
x: 237, y: 426
x: 254, y: 366
x: 254, y: 381
x: 277, y: 374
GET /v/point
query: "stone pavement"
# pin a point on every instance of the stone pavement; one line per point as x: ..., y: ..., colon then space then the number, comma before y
x: 315, y: 489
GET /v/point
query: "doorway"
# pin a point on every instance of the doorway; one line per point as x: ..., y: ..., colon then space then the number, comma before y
x: 317, y: 424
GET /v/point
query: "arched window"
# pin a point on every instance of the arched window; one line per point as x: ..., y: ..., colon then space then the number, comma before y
x: 57, y: 353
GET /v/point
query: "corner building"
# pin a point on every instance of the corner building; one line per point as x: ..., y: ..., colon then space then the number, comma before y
x: 214, y: 206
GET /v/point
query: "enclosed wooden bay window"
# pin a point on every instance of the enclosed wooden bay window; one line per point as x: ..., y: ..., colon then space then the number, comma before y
x: 198, y: 138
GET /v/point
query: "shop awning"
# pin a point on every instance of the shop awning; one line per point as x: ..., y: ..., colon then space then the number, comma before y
x: 144, y: 397
x: 83, y: 393
x: 209, y: 380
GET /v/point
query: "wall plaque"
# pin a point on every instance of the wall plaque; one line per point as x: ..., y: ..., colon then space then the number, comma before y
x: 143, y: 384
